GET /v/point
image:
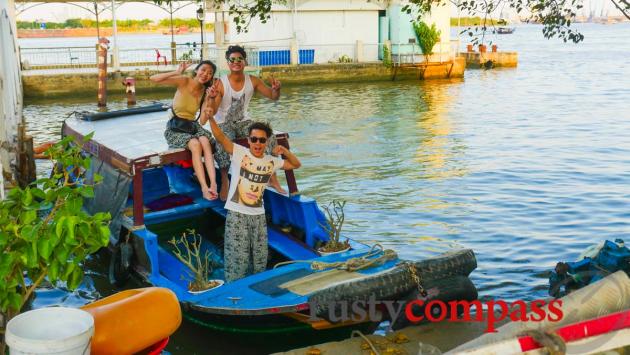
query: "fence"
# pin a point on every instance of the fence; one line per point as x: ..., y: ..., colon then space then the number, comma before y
x: 257, y: 55
x: 81, y: 57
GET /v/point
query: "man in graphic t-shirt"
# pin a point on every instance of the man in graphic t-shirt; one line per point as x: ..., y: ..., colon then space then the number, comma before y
x: 231, y: 95
x: 245, y: 249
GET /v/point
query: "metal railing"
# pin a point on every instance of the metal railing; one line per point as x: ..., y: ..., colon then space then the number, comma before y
x: 33, y: 58
x: 257, y: 55
x: 82, y: 57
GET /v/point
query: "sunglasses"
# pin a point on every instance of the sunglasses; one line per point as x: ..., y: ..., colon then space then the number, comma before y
x: 262, y: 140
x: 236, y: 59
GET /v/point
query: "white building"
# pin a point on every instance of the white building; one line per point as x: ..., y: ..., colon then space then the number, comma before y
x: 331, y: 31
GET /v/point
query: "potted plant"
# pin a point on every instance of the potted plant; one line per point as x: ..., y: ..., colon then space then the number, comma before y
x: 494, y: 48
x: 482, y: 48
x: 188, y: 250
x: 469, y: 47
x: 335, y: 218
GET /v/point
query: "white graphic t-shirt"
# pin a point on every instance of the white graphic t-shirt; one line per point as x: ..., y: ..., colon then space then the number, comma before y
x: 250, y: 177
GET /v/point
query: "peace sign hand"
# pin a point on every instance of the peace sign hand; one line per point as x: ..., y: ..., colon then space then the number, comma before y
x: 275, y: 84
x: 213, y: 90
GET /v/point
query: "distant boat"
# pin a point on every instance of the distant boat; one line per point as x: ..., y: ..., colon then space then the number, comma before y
x: 505, y: 30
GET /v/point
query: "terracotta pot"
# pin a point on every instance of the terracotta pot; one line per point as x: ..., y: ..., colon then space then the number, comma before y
x: 482, y: 48
x: 494, y: 48
x: 469, y: 47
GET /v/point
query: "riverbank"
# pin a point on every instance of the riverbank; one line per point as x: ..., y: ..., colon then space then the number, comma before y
x: 73, y: 83
x: 92, y: 32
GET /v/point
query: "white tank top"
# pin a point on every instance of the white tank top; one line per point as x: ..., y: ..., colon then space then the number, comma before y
x: 234, y: 103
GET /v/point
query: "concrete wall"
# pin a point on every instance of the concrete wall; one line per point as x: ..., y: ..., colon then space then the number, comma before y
x: 402, y: 32
x: 330, y: 33
x: 10, y: 89
x: 441, y: 16
x: 476, y: 60
x: 50, y: 86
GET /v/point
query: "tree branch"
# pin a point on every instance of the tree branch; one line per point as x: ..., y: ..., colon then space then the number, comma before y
x: 623, y: 11
x: 33, y: 286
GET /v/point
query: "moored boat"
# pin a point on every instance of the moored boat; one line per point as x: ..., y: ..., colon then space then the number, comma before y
x: 505, y: 30
x: 154, y: 197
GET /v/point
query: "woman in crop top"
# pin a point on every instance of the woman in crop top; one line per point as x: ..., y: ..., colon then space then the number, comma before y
x: 184, y: 129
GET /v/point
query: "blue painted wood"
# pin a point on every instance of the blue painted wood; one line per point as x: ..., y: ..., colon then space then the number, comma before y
x: 298, y: 212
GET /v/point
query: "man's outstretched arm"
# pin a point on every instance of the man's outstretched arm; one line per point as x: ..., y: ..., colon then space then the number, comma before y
x: 291, y: 161
x: 272, y: 92
x: 218, y: 134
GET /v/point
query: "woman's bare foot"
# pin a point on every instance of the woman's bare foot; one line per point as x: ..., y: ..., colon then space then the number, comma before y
x: 225, y: 187
x: 276, y: 185
x: 273, y: 182
x: 209, y: 195
x: 213, y: 191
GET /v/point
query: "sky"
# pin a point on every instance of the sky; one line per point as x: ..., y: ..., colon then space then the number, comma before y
x: 57, y: 12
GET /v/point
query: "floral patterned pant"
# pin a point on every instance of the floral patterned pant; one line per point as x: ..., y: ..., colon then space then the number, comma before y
x: 245, y: 248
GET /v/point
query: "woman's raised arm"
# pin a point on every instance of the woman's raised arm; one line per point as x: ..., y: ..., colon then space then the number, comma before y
x: 175, y: 78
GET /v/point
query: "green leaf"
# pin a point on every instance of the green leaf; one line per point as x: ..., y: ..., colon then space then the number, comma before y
x: 53, y: 271
x: 39, y: 193
x: 71, y: 223
x: 75, y: 279
x: 105, y: 232
x: 51, y: 195
x: 61, y: 254
x: 30, y: 257
x: 97, y: 178
x: 86, y: 191
x: 88, y: 137
x: 74, y: 205
x: 4, y: 239
x: 15, y: 301
x: 27, y: 197
x: 68, y: 271
x: 59, y: 226
x: 6, y: 263
x: 44, y: 249
x: 29, y: 216
x: 28, y: 233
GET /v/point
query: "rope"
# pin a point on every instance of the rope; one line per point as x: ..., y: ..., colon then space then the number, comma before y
x: 358, y: 332
x: 552, y: 342
x: 352, y: 264
x: 359, y: 263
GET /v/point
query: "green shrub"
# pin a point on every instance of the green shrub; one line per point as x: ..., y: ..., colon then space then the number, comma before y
x: 427, y: 37
x: 44, y: 232
x: 387, y: 57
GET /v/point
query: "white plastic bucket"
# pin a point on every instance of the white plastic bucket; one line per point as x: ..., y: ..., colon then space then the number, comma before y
x: 55, y: 330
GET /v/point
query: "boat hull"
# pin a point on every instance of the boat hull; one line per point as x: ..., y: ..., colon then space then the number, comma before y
x: 271, y: 333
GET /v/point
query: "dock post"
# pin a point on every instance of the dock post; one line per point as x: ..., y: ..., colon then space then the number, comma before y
x: 130, y: 89
x: 173, y: 53
x: 102, y: 71
x: 25, y: 162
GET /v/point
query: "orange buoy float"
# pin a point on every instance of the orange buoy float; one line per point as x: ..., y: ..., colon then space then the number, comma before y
x: 133, y: 320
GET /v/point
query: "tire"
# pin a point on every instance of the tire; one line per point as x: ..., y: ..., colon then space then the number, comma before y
x: 396, y: 283
x: 457, y: 288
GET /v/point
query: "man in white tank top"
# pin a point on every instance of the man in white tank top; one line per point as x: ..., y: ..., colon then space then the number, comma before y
x: 231, y: 96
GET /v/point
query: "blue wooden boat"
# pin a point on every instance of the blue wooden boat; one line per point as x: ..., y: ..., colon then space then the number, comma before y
x: 295, y: 301
x: 594, y: 264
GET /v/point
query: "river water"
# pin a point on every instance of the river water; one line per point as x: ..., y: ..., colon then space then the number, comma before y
x: 526, y: 166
